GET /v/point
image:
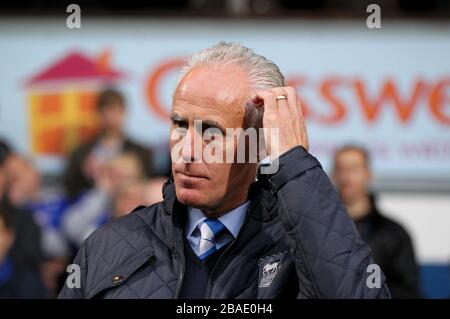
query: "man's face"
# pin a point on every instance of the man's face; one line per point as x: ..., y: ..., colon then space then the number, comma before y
x: 23, y: 179
x: 351, y: 175
x: 112, y: 117
x: 124, y: 169
x: 217, y: 98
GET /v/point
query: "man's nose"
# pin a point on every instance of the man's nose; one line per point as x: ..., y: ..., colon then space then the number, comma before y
x: 192, y: 145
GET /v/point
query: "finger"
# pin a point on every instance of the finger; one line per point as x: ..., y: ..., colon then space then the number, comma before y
x: 284, y: 112
x: 293, y: 99
x: 279, y: 92
x: 305, y: 140
x: 304, y: 131
x: 268, y: 99
x: 300, y: 107
x: 294, y: 111
x: 270, y: 118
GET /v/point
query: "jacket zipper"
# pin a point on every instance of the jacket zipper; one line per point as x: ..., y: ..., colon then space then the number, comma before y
x: 180, y: 259
x: 208, y: 289
x: 181, y: 276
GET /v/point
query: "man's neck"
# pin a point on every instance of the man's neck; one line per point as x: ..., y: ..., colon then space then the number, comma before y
x: 359, y: 208
x: 223, y: 209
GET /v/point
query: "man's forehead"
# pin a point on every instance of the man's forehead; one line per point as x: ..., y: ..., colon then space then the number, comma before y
x: 214, y: 85
x: 350, y: 157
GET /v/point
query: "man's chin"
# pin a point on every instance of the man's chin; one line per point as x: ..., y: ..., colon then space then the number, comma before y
x: 191, y: 197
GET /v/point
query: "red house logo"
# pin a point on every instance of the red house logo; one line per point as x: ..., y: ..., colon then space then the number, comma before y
x: 61, y: 101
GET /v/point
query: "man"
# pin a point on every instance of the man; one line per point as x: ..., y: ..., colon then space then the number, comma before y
x: 26, y: 249
x: 46, y: 205
x: 391, y: 245
x: 95, y: 206
x: 89, y: 158
x: 17, y: 280
x: 219, y: 232
x: 27, y: 191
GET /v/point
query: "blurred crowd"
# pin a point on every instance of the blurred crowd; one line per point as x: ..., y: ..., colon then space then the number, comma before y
x: 42, y: 226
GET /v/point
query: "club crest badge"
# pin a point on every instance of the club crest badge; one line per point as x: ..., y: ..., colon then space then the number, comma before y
x: 268, y: 268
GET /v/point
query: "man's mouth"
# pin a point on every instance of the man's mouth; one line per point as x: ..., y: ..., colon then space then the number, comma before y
x: 185, y: 176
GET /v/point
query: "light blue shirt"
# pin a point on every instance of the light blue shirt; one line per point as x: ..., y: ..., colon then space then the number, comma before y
x: 232, y: 220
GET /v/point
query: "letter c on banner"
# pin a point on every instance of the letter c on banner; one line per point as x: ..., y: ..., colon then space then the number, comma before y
x: 153, y: 86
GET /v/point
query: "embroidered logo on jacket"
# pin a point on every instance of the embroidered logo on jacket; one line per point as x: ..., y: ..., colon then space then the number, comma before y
x: 268, y: 268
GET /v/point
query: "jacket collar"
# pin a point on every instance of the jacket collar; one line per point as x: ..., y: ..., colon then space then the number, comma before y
x: 166, y: 221
x: 257, y: 196
x: 261, y: 209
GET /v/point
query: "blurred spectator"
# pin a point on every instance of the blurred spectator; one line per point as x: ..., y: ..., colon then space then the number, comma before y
x: 128, y: 196
x: 87, y: 158
x: 137, y: 193
x: 26, y: 249
x: 391, y: 245
x: 96, y: 206
x: 17, y: 280
x: 153, y: 190
x: 47, y: 205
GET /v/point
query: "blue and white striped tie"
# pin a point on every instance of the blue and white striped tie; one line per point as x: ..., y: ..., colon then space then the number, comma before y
x: 210, y: 229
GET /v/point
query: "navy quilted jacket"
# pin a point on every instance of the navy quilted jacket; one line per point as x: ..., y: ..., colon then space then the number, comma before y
x: 297, y: 241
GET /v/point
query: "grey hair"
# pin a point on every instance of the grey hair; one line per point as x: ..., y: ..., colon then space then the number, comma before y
x: 262, y: 72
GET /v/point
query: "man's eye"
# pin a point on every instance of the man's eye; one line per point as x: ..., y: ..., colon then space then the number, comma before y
x: 181, y: 124
x: 212, y: 132
x: 212, y: 127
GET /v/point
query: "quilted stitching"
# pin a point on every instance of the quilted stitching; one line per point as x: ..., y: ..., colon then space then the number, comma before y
x: 326, y: 254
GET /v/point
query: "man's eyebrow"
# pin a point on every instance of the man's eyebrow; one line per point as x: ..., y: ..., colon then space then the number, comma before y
x: 212, y: 124
x: 175, y: 117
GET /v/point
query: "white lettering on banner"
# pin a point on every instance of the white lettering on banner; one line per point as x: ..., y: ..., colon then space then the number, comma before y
x: 355, y: 86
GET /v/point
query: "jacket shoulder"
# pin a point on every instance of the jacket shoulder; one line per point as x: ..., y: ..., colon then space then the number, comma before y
x: 119, y: 247
x: 130, y: 232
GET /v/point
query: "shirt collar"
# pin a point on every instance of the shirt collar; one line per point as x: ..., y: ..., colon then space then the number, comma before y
x: 233, y: 220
